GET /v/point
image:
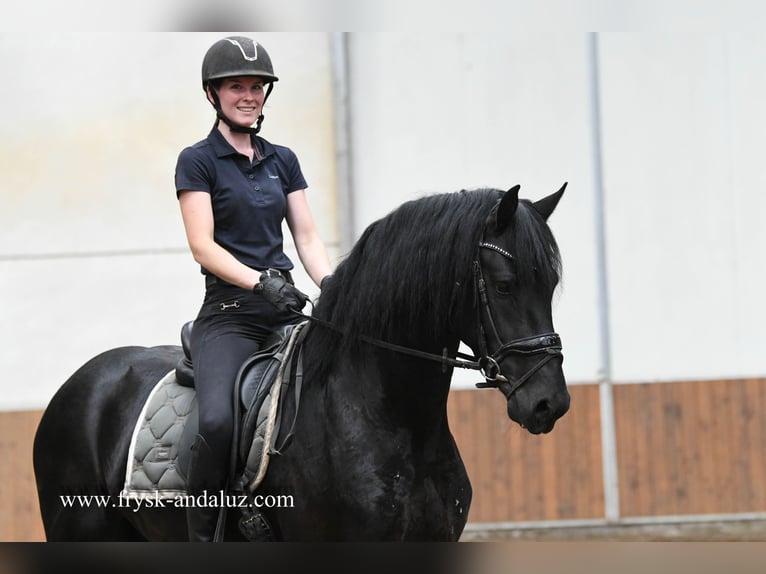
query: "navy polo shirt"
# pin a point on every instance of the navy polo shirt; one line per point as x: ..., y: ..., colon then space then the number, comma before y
x: 249, y: 198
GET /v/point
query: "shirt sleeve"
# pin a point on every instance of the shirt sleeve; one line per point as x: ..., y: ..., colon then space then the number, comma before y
x: 192, y: 172
x: 293, y: 175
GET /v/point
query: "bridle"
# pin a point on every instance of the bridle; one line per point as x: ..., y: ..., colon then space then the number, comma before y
x: 547, y: 344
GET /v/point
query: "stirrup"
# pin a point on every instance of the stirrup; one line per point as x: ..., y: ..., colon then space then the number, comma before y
x: 254, y: 526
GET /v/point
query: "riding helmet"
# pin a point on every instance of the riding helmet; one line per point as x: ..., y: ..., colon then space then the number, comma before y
x: 236, y: 56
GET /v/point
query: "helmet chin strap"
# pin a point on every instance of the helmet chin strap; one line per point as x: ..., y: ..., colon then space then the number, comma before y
x: 237, y: 128
x: 220, y: 116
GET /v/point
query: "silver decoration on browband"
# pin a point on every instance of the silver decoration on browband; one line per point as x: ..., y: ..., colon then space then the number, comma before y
x: 494, y: 247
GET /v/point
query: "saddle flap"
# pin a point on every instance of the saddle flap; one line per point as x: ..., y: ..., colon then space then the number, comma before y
x: 261, y: 421
x: 260, y: 369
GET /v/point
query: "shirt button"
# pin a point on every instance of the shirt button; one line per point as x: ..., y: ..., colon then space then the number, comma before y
x: 250, y: 176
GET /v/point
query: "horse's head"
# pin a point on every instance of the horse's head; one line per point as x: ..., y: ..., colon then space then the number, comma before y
x: 516, y: 271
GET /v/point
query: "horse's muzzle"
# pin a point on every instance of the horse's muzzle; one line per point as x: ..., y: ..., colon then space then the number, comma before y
x: 536, y: 410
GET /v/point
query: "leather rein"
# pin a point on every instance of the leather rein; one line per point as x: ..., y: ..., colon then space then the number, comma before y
x: 547, y: 344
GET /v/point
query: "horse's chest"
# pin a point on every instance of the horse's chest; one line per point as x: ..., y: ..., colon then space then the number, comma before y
x: 412, y: 502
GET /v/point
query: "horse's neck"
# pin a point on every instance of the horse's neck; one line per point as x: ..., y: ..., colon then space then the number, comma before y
x: 404, y: 386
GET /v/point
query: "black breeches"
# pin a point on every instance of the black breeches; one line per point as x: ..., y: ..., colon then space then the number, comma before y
x: 231, y: 325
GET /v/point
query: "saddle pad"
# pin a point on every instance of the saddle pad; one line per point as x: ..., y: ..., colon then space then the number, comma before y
x: 153, y: 458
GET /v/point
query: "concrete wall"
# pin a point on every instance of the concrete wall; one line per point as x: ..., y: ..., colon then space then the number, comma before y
x: 684, y: 175
x: 441, y: 112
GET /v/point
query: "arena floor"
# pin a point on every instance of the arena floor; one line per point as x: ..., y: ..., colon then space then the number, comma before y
x: 739, y: 531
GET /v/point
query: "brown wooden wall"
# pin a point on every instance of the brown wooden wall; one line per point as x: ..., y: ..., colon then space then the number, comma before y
x: 19, y: 511
x: 519, y: 476
x: 692, y: 447
x: 684, y: 448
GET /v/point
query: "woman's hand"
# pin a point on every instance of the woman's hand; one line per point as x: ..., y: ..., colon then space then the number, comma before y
x: 280, y: 292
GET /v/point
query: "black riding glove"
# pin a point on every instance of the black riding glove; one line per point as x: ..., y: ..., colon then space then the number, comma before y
x: 280, y: 292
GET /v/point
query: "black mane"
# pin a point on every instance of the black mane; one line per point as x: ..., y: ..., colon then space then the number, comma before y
x: 403, y: 278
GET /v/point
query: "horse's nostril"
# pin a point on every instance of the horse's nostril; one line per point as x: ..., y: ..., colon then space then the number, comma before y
x: 543, y: 407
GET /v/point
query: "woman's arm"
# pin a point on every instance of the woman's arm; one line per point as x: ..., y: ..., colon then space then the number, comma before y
x: 197, y: 214
x: 311, y: 249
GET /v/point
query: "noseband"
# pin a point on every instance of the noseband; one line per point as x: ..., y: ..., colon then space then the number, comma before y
x: 547, y: 344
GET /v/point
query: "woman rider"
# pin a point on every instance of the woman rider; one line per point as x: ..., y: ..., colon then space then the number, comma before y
x: 235, y: 189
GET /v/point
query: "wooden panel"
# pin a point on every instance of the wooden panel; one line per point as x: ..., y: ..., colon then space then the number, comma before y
x: 519, y: 477
x: 683, y: 448
x: 19, y: 511
x: 691, y: 447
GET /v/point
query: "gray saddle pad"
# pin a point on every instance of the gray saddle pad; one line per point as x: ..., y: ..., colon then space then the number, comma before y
x: 154, y: 465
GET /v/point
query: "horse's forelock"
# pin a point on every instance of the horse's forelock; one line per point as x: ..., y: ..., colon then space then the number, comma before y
x: 534, y: 246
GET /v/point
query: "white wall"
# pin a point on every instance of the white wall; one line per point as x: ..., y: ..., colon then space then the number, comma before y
x: 92, y: 249
x: 685, y: 182
x: 441, y: 112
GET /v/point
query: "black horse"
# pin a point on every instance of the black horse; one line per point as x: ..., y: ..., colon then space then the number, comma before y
x: 372, y: 456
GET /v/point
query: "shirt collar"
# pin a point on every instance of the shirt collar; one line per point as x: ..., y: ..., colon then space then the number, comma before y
x: 223, y: 148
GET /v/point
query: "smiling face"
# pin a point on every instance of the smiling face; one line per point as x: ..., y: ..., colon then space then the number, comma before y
x: 241, y: 99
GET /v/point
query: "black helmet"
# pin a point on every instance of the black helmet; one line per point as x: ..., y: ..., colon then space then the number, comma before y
x: 236, y: 56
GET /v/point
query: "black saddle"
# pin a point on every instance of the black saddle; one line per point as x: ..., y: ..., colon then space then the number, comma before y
x: 185, y: 368
x: 253, y: 384
x: 255, y: 379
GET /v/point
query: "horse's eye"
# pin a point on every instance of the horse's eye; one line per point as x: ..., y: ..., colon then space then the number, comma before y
x: 503, y: 288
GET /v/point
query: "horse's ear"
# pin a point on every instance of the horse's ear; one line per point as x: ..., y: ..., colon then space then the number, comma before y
x: 547, y: 204
x: 506, y: 208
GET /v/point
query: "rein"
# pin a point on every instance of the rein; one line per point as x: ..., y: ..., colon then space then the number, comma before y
x: 461, y: 361
x: 548, y: 344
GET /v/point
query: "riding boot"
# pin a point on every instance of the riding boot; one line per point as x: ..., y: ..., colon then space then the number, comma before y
x: 206, y: 478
